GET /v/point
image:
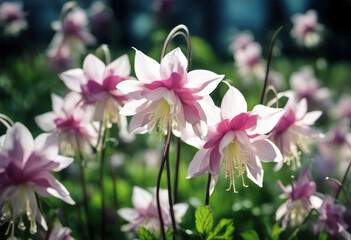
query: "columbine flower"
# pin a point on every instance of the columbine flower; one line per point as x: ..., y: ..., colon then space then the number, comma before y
x: 72, y: 32
x: 24, y: 170
x: 166, y: 95
x: 241, y: 41
x: 12, y: 17
x: 331, y: 219
x: 96, y: 83
x: 343, y: 108
x: 249, y: 62
x: 60, y: 58
x: 305, y: 84
x: 293, y: 131
x: 145, y: 212
x: 301, y: 200
x: 100, y: 15
x: 60, y: 233
x: 71, y: 122
x: 306, y: 30
x: 237, y: 141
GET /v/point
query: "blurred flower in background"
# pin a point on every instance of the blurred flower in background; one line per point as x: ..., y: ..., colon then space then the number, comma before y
x: 60, y: 233
x: 12, y: 18
x: 306, y: 30
x: 100, y: 16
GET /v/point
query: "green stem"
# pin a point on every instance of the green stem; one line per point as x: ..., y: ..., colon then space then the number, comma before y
x: 102, y: 187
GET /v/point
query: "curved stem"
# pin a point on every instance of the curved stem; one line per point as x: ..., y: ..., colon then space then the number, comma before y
x: 171, y: 210
x: 102, y: 163
x: 269, y: 63
x: 177, y: 171
x: 207, y: 200
x: 342, y: 182
x: 84, y: 191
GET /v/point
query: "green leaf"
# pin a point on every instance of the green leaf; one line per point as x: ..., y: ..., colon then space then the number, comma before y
x: 323, y: 236
x: 276, y: 230
x: 250, y: 235
x: 204, y: 220
x: 169, y: 234
x: 223, y: 230
x: 145, y: 234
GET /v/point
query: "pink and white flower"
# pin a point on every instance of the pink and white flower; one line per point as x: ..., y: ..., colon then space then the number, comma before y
x: 237, y: 141
x: 305, y: 84
x: 60, y: 233
x: 249, y: 61
x: 166, y: 95
x: 343, y: 107
x: 306, y: 30
x: 294, y: 131
x: 71, y: 122
x: 145, y: 212
x: 96, y: 83
x: 331, y: 219
x: 301, y: 200
x: 60, y: 58
x: 12, y: 17
x: 24, y: 170
x: 241, y: 41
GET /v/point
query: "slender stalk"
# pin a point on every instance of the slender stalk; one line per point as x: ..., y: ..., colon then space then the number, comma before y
x: 207, y: 200
x: 113, y: 176
x: 297, y: 229
x: 342, y: 182
x: 171, y: 210
x: 177, y: 171
x: 102, y: 187
x: 158, y: 185
x: 84, y: 191
x: 269, y: 63
x: 337, y: 182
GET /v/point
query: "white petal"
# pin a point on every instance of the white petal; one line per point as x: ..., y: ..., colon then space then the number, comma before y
x: 233, y: 103
x: 266, y: 151
x: 200, y: 163
x: 46, y: 121
x: 93, y: 68
x: 203, y: 82
x: 73, y: 79
x: 268, y: 118
x: 311, y: 117
x: 57, y: 103
x: 141, y: 199
x: 147, y: 69
x: 120, y: 67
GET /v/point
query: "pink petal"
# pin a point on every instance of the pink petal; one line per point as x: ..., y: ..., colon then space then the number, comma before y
x: 233, y: 103
x: 93, y: 68
x: 254, y: 170
x: 180, y: 56
x: 225, y: 141
x: 147, y: 70
x: 171, y: 64
x: 46, y: 145
x: 73, y: 79
x: 120, y: 67
x: 215, y: 161
x: 129, y: 214
x: 63, y: 162
x: 141, y: 199
x: 46, y: 121
x: 268, y: 118
x: 203, y: 82
x: 18, y: 143
x: 310, y: 118
x: 266, y: 151
x: 200, y: 163
x: 281, y: 211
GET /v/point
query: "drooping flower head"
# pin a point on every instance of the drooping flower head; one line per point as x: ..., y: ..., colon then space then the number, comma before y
x: 294, y: 132
x: 241, y: 41
x: 331, y: 219
x: 71, y: 122
x: 60, y: 233
x: 306, y: 30
x: 301, y: 199
x: 237, y: 141
x: 12, y: 17
x: 305, y: 84
x: 96, y: 83
x: 249, y: 61
x: 343, y: 108
x: 24, y: 171
x: 100, y: 16
x: 60, y: 58
x: 145, y: 212
x: 166, y: 95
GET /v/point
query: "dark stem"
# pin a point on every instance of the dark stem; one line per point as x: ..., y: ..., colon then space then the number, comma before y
x: 269, y: 63
x: 177, y: 171
x: 337, y: 182
x: 102, y: 164
x: 113, y: 176
x: 171, y: 210
x: 207, y: 200
x: 84, y: 191
x: 342, y: 182
x: 158, y: 185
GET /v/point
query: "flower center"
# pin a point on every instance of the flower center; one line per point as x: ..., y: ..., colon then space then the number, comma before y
x: 163, y: 115
x: 236, y: 161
